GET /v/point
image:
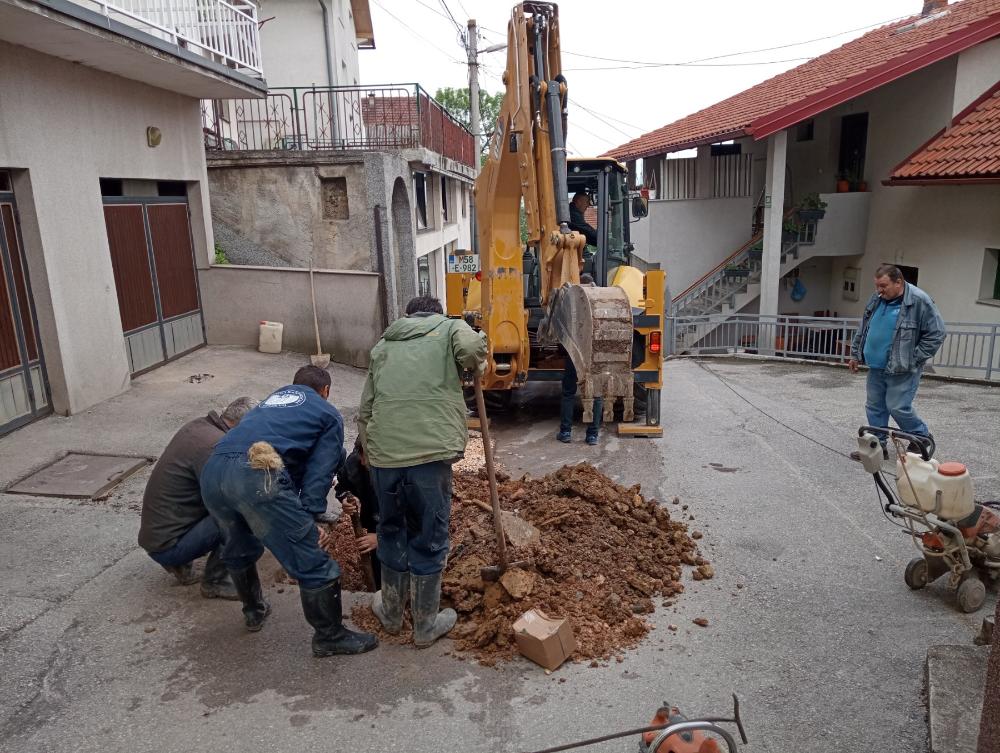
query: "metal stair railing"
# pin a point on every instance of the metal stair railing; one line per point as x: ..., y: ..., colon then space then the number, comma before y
x: 713, y: 288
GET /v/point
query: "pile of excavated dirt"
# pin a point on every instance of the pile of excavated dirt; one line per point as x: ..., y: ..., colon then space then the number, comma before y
x: 602, y: 553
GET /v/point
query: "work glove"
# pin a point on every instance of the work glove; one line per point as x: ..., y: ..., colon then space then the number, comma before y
x: 327, y: 518
x: 481, y: 368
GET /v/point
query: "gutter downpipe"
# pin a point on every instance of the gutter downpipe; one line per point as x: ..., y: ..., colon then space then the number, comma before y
x: 329, y: 68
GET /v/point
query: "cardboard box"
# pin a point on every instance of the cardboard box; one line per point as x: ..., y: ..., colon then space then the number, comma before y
x: 547, y: 642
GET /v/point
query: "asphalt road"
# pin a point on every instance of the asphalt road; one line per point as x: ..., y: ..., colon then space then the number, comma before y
x: 809, y: 620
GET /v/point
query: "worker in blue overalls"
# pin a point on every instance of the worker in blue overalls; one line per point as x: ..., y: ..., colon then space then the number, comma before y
x: 266, y: 486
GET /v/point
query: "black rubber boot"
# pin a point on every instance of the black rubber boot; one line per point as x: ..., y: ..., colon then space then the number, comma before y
x: 255, y: 609
x: 184, y: 574
x: 323, y: 610
x: 215, y: 581
x: 391, y: 598
x: 425, y: 597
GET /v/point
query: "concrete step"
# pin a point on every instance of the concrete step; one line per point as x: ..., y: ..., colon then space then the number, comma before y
x: 956, y: 677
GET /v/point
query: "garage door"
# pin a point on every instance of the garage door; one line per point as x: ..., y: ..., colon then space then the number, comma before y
x: 24, y: 392
x: 155, y: 277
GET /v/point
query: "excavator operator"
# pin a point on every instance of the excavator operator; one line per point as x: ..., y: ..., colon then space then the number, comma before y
x: 577, y: 220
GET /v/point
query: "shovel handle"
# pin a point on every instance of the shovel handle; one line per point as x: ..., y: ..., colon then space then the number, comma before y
x: 491, y: 474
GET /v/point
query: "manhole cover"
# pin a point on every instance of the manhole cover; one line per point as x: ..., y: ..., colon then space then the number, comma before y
x: 79, y: 475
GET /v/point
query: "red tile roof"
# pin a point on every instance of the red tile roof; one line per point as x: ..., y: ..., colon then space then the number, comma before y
x: 967, y: 151
x: 864, y: 64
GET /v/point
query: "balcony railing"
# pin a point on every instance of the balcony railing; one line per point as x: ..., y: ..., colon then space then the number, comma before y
x: 370, y: 118
x: 216, y: 29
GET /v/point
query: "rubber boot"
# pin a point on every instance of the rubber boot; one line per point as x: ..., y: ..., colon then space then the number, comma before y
x: 391, y: 598
x: 255, y: 609
x: 215, y: 581
x: 425, y: 597
x: 322, y: 609
x: 184, y: 574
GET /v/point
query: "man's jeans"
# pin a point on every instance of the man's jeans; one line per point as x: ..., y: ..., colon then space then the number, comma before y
x: 892, y: 395
x: 414, y: 505
x: 253, y: 506
x: 198, y: 540
x: 569, y: 403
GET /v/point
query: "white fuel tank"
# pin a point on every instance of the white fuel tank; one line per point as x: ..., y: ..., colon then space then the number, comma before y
x: 944, y: 489
x: 270, y: 337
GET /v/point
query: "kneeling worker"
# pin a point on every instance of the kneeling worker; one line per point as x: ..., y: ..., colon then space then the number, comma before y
x: 266, y: 485
x: 176, y: 529
x: 412, y: 425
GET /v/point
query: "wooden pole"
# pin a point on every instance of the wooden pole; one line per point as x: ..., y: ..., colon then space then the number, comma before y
x: 367, y: 573
x: 491, y: 475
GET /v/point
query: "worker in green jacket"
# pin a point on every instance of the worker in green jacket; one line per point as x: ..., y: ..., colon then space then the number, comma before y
x: 412, y: 425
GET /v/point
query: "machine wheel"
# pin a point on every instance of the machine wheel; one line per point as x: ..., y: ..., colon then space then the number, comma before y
x: 639, y: 393
x: 971, y: 594
x: 915, y: 574
x: 497, y: 401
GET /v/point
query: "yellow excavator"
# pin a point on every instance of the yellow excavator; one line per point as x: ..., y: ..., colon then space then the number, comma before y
x: 527, y: 296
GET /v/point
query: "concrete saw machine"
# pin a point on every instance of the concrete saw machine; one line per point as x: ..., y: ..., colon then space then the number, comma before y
x: 955, y: 535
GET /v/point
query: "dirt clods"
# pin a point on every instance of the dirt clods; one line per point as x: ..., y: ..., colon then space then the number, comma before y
x: 603, y: 554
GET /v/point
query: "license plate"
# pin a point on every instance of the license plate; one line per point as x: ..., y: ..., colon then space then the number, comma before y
x: 463, y: 263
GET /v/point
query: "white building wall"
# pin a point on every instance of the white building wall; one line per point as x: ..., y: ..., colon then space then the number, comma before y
x: 293, y: 48
x: 978, y: 70
x: 943, y: 231
x: 690, y: 237
x: 442, y: 237
x: 62, y: 127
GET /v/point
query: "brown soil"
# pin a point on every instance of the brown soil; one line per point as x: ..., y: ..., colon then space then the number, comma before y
x: 605, y: 553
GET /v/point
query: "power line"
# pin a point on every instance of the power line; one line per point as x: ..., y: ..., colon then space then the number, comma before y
x: 687, y: 65
x: 598, y: 117
x: 736, y: 54
x: 406, y: 26
x: 451, y: 16
x: 616, y: 120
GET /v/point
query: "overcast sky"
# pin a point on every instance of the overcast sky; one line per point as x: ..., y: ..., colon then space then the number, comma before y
x: 417, y: 42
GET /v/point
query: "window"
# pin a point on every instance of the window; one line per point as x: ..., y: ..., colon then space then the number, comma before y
x: 805, y: 131
x: 444, y: 200
x: 112, y: 187
x: 424, y: 275
x: 989, y: 286
x: 171, y: 188
x: 420, y: 195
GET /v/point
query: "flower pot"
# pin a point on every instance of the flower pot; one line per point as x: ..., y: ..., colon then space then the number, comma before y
x: 843, y: 186
x: 862, y: 185
x: 805, y: 215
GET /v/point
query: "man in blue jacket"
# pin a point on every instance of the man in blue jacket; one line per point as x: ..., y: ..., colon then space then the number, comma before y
x: 266, y: 485
x: 900, y: 331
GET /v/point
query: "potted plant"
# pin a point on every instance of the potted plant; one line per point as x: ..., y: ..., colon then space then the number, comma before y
x: 735, y: 271
x: 843, y: 184
x: 790, y: 231
x: 811, y: 208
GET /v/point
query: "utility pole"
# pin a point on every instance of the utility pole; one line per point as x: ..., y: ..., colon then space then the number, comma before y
x: 473, y: 55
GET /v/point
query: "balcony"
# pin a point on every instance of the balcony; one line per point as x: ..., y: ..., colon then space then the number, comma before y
x: 201, y: 48
x: 366, y: 118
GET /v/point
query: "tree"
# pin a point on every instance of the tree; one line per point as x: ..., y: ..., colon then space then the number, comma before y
x: 456, y: 102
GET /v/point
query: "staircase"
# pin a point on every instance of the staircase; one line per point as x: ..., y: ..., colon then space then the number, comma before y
x: 735, y: 281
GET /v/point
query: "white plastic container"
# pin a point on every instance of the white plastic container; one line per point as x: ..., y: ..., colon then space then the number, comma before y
x: 270, y: 337
x: 944, y: 489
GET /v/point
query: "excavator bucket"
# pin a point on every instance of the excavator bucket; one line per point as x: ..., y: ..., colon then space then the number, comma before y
x: 594, y: 325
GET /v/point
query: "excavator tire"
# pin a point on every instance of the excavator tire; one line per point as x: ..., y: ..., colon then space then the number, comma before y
x: 497, y: 401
